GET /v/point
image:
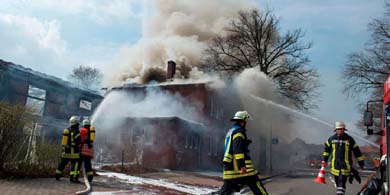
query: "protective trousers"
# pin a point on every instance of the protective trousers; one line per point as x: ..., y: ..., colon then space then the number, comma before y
x: 86, y: 162
x: 340, y: 180
x: 74, y: 169
x: 232, y: 185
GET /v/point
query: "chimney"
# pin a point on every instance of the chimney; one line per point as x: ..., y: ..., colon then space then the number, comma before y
x: 171, y: 69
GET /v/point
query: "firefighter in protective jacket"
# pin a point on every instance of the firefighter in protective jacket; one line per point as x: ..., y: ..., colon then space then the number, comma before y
x: 238, y: 167
x: 70, y: 150
x: 87, y: 137
x: 341, y: 146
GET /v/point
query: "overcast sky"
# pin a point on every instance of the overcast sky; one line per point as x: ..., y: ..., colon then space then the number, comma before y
x: 52, y: 36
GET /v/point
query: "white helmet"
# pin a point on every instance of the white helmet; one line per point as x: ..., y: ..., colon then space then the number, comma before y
x: 339, y: 125
x: 73, y: 120
x: 86, y: 122
x: 241, y: 115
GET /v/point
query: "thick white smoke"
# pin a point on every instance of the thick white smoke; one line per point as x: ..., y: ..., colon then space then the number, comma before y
x: 179, y: 31
x: 154, y: 103
x: 173, y: 30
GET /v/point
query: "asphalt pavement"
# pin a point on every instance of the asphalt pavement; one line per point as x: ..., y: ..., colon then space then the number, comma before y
x: 295, y: 183
x: 302, y: 182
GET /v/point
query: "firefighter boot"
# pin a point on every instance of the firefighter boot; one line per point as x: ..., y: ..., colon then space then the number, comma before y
x: 76, y: 179
x: 71, y: 178
x: 90, y: 178
x: 58, y: 176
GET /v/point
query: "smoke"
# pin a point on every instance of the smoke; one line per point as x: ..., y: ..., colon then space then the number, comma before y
x: 179, y: 31
x: 145, y: 102
x: 173, y: 30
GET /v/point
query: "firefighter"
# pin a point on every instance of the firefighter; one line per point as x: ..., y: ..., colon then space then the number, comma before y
x: 70, y: 150
x: 238, y: 168
x: 340, y: 146
x: 87, y: 134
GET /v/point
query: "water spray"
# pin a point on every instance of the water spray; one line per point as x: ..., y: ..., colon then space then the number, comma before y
x: 310, y: 117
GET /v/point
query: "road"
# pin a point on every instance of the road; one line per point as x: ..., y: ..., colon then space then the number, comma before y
x: 303, y: 183
x: 171, y: 183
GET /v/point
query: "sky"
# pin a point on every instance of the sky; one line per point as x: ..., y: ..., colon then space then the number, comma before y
x: 54, y: 36
x: 336, y: 29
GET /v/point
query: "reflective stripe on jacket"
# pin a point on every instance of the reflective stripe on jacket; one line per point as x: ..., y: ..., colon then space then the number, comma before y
x: 71, y: 143
x: 341, y: 148
x: 236, y: 154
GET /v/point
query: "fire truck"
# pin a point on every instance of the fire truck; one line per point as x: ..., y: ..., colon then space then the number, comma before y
x: 384, y: 133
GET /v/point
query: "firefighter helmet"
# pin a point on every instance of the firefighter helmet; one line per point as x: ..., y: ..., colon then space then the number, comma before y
x: 339, y: 125
x: 241, y: 115
x: 73, y: 120
x: 86, y: 122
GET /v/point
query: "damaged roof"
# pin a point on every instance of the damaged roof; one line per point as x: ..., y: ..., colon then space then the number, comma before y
x: 19, y: 68
x: 162, y: 85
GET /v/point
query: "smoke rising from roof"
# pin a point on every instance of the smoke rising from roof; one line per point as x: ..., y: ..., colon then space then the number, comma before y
x: 174, y: 30
x: 153, y: 103
x: 179, y: 31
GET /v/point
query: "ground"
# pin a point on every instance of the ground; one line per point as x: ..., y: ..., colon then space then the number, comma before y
x: 173, y: 183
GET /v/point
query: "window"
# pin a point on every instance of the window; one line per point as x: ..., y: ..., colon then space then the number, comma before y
x: 191, y: 138
x: 148, y: 135
x: 387, y: 115
x: 187, y: 141
x: 216, y: 110
x: 36, y: 99
x: 196, y: 142
x: 136, y: 133
x: 216, y: 147
x: 210, y: 146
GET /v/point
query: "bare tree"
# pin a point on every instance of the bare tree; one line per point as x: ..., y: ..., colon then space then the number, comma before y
x: 86, y: 77
x: 366, y: 71
x: 253, y: 39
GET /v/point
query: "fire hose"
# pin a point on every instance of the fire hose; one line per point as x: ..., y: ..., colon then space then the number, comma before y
x: 86, y: 182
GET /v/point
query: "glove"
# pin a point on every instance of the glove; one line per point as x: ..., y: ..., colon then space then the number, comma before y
x: 350, y: 179
x: 323, y: 164
x: 361, y: 164
x: 355, y: 175
x: 358, y: 179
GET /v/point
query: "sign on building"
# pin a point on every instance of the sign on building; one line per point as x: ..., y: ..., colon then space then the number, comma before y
x: 85, y: 105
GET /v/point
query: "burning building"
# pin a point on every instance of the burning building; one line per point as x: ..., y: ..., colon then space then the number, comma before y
x: 183, y: 125
x: 51, y: 99
x: 176, y: 126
